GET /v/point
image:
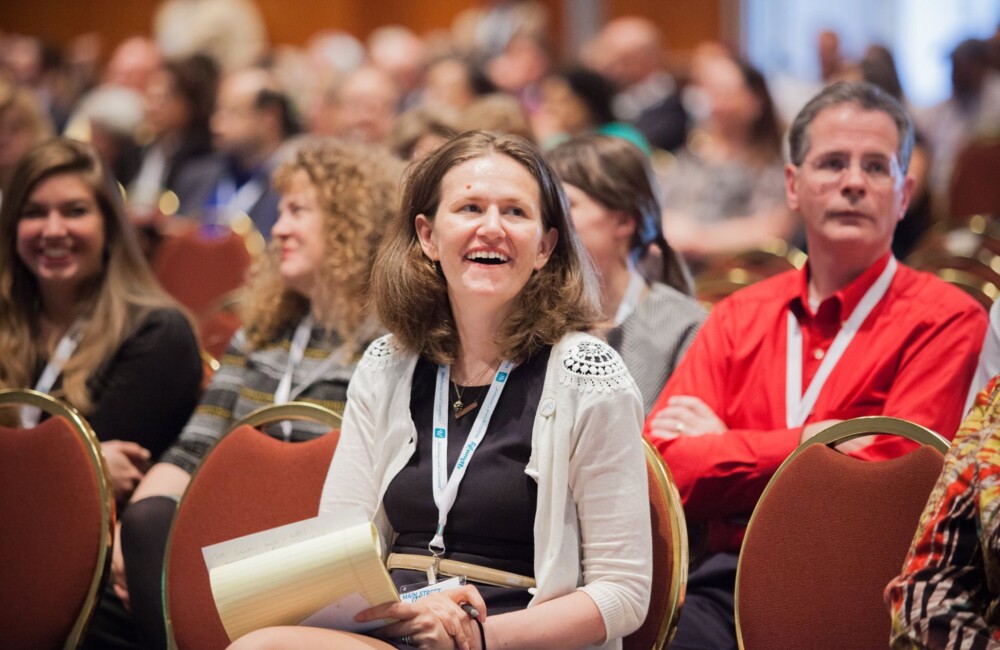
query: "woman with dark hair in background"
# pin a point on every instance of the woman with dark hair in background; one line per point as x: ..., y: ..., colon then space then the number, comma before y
x: 180, y: 98
x: 613, y: 199
x: 576, y: 101
x: 725, y: 193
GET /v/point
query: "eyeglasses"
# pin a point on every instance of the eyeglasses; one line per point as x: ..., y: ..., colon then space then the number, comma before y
x: 876, y: 170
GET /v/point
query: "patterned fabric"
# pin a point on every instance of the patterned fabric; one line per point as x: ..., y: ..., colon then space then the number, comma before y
x: 715, y: 192
x: 948, y: 594
x: 653, y: 339
x: 247, y: 381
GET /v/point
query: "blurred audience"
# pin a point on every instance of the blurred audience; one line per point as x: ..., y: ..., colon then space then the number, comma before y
x: 629, y: 51
x: 251, y: 122
x: 972, y: 111
x: 361, y: 107
x: 180, y: 100
x: 725, y: 193
x: 576, y: 100
x: 231, y: 32
x: 23, y: 124
x: 496, y: 112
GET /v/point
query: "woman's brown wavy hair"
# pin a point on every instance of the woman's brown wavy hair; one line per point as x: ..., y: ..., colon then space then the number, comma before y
x: 356, y: 187
x: 113, y: 305
x: 411, y: 293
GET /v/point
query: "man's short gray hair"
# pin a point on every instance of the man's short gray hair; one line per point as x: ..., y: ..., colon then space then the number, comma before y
x: 869, y: 97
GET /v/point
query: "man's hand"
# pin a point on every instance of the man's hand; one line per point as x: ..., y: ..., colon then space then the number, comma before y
x: 811, y: 430
x: 127, y: 462
x: 686, y: 415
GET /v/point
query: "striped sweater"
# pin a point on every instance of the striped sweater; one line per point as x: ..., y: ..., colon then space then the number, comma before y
x: 247, y: 381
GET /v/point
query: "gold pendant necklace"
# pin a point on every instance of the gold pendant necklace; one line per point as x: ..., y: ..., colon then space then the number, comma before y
x: 459, y: 406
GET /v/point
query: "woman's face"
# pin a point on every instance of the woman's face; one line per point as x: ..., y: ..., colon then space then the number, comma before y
x: 166, y: 110
x: 299, y: 232
x: 605, y: 233
x: 487, y: 233
x: 60, y: 233
x: 564, y: 108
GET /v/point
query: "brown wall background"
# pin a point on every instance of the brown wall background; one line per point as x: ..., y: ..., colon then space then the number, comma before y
x: 685, y: 22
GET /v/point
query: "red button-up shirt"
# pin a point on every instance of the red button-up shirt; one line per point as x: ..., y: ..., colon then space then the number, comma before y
x: 912, y: 358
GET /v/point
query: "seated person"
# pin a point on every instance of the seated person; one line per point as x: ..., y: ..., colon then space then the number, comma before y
x: 616, y: 212
x: 853, y: 333
x: 947, y: 593
x: 723, y: 194
x: 305, y: 324
x: 81, y: 316
x: 482, y: 283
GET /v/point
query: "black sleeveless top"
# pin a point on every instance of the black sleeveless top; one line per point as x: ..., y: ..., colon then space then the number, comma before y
x: 492, y: 521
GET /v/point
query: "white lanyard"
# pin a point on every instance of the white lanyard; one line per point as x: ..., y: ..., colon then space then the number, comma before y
x: 632, y: 297
x: 233, y: 202
x: 446, y: 487
x: 30, y: 415
x: 296, y: 350
x: 798, y: 406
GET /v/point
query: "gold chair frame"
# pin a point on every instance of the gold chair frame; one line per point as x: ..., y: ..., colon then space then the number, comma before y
x: 56, y: 407
x: 264, y: 415
x: 831, y: 437
x: 678, y: 544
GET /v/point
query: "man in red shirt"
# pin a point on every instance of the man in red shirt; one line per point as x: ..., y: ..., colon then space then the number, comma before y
x: 853, y: 333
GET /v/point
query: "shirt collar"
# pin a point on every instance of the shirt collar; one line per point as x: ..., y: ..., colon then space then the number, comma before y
x: 848, y: 297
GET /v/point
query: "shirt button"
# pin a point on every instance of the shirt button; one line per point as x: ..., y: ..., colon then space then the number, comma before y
x: 818, y: 354
x: 548, y: 407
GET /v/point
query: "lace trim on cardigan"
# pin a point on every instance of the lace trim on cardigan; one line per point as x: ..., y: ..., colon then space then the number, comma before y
x: 381, y: 354
x: 594, y: 366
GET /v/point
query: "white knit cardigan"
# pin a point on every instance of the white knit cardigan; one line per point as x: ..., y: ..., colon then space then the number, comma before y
x: 592, y: 526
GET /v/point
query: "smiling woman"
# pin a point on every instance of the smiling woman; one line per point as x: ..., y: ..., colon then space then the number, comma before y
x: 306, y: 321
x: 483, y: 284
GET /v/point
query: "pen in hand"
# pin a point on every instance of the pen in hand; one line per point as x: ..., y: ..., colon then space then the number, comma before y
x: 471, y: 611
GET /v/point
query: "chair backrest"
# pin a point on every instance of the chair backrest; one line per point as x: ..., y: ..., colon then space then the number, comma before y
x: 249, y: 482
x: 670, y: 558
x: 57, y: 517
x: 827, y: 535
x: 198, y: 266
x: 973, y: 188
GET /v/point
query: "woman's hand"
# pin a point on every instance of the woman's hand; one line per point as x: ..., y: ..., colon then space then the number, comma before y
x: 127, y: 462
x: 118, y: 569
x: 433, y: 622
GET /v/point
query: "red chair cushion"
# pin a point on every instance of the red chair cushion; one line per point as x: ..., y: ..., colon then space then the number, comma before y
x: 248, y: 483
x: 50, y: 533
x: 825, y: 540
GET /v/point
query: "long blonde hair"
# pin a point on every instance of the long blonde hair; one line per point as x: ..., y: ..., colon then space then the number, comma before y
x: 357, y: 187
x: 113, y: 305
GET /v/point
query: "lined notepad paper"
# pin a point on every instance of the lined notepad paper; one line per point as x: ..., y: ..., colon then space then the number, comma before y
x: 309, y: 572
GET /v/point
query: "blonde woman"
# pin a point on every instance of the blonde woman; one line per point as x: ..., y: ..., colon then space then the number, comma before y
x: 305, y: 326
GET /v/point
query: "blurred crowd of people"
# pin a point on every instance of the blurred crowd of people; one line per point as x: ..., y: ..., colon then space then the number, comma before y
x: 193, y: 120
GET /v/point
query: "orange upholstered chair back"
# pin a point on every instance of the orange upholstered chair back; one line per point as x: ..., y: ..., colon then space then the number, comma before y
x: 828, y: 534
x: 56, y: 519
x: 249, y: 482
x: 670, y: 558
x: 198, y: 267
x: 974, y: 188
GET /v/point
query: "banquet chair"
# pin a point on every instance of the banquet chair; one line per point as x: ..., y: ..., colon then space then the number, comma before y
x: 57, y: 517
x: 973, y: 188
x: 670, y: 558
x: 827, y: 535
x: 201, y: 264
x: 247, y: 483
